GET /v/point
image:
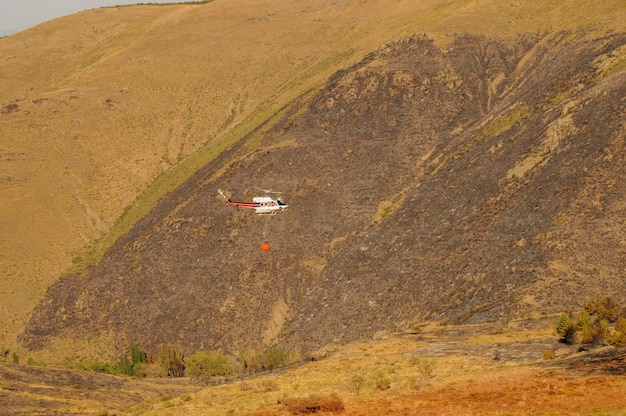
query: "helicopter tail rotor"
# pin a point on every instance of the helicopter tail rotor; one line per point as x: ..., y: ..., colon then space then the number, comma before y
x: 219, y: 191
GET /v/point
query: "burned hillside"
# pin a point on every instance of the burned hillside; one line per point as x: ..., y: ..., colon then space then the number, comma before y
x: 479, y: 181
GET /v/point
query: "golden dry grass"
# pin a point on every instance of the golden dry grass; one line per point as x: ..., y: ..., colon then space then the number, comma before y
x: 438, y: 369
x: 405, y: 376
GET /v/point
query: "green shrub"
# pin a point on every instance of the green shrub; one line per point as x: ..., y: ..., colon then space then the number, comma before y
x: 206, y: 364
x: 124, y: 366
x: 130, y: 364
x: 133, y: 365
x: 586, y: 327
x: 137, y: 355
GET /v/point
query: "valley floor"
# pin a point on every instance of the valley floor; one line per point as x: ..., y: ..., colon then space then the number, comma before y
x: 433, y: 371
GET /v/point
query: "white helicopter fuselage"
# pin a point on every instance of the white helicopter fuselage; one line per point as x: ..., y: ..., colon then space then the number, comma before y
x: 260, y: 204
x: 267, y: 205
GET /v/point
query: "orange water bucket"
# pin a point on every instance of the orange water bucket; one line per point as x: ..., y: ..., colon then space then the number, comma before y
x: 265, y: 246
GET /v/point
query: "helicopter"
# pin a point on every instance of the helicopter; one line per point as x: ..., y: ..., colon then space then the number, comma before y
x: 263, y: 205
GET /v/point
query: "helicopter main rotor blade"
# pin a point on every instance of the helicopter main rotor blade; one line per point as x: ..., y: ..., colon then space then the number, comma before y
x: 267, y: 191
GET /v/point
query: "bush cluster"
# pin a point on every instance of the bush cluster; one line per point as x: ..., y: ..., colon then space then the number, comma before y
x: 257, y: 361
x: 170, y: 362
x: 132, y: 363
x: 207, y: 364
x: 601, y: 322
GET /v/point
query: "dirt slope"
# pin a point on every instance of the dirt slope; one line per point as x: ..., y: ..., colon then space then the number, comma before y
x: 475, y: 181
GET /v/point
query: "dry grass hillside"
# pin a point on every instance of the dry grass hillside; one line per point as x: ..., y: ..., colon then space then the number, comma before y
x: 107, y: 110
x: 458, y: 162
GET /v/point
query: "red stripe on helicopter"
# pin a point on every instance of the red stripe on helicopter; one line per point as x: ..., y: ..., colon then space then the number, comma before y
x: 244, y: 204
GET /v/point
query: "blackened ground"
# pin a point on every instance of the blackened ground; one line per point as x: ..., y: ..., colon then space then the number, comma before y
x: 478, y: 182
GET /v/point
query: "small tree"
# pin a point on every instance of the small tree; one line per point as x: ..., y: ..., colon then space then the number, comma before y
x: 137, y: 355
x: 133, y: 365
x: 604, y: 307
x: 586, y: 327
x: 124, y: 366
x: 171, y: 360
x: 565, y: 328
x: 618, y: 336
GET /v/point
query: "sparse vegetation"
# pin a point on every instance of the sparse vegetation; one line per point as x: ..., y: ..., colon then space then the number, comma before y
x: 381, y: 381
x: 487, y: 389
x: 34, y: 362
x: 386, y: 208
x: 424, y: 366
x: 506, y: 121
x: 170, y: 362
x: 356, y: 384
